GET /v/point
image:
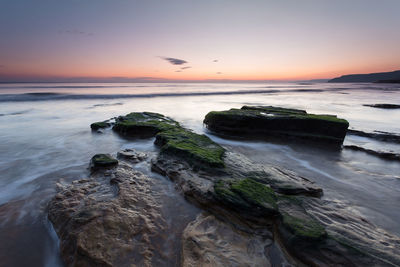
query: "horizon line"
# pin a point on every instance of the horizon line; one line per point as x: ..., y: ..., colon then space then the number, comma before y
x: 154, y: 80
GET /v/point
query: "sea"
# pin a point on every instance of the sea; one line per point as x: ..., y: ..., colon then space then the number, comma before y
x: 45, y: 139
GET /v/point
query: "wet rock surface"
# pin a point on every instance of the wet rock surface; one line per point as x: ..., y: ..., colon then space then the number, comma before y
x: 262, y: 122
x: 351, y: 239
x: 111, y: 217
x: 313, y: 231
x: 381, y: 136
x: 99, y: 125
x: 380, y: 154
x: 383, y: 106
x: 99, y: 161
x: 132, y: 155
x: 208, y: 241
x: 171, y: 137
x: 107, y: 219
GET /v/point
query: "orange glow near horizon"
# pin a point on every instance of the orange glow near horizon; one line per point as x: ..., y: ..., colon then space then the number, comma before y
x: 210, y: 41
x: 193, y: 75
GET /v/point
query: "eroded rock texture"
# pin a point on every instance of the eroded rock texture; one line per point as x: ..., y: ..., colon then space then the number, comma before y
x: 314, y: 232
x: 208, y: 241
x: 109, y: 219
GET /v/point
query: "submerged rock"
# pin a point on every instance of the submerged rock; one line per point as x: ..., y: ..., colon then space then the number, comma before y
x: 102, y: 161
x: 379, y: 154
x: 109, y: 219
x: 99, y: 125
x: 378, y: 135
x: 132, y: 155
x: 383, y: 106
x: 266, y: 121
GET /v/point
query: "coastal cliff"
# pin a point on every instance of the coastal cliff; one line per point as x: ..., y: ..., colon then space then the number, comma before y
x: 381, y: 77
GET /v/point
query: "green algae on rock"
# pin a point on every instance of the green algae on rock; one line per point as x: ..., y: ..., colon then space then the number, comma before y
x: 299, y: 224
x: 143, y: 124
x: 99, y: 125
x: 193, y: 147
x: 103, y: 161
x: 247, y: 195
x: 265, y: 121
x: 304, y: 228
x: 171, y: 137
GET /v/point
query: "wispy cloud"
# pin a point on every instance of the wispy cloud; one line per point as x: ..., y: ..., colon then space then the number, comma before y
x: 215, y: 60
x: 219, y: 72
x: 75, y: 32
x: 178, y: 71
x: 185, y: 68
x: 174, y: 61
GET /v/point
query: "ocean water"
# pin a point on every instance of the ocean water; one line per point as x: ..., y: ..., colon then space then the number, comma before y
x: 45, y: 138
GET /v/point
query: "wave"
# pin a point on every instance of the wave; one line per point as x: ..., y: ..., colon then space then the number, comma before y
x: 70, y: 86
x: 45, y: 96
x: 16, y: 113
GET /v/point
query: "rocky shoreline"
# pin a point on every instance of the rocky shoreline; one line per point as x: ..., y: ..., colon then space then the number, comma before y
x: 251, y: 210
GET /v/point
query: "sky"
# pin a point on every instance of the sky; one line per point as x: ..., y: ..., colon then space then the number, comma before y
x: 82, y: 40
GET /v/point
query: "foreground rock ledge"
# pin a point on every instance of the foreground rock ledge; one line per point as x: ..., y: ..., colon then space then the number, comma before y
x: 266, y: 121
x: 208, y: 241
x: 312, y: 231
x: 108, y: 219
x: 265, y: 202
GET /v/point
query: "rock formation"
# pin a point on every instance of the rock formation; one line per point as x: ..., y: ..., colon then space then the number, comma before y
x: 262, y: 122
x: 110, y: 219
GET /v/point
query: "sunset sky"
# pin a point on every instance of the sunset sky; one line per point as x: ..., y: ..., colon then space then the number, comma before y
x: 49, y: 40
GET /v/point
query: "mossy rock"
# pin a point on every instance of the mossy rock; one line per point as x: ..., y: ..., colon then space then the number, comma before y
x: 305, y: 228
x: 103, y: 161
x: 297, y: 222
x: 143, y: 124
x: 264, y: 121
x: 275, y: 110
x: 172, y: 138
x: 247, y: 196
x: 99, y: 125
x: 195, y: 148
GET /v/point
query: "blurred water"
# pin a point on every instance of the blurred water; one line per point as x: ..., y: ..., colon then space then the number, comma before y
x: 44, y: 140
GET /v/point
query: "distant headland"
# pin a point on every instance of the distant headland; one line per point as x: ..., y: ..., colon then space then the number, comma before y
x: 380, y: 77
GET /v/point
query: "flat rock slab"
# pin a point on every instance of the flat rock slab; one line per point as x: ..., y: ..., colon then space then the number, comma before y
x: 383, y: 106
x: 281, y: 180
x: 261, y: 122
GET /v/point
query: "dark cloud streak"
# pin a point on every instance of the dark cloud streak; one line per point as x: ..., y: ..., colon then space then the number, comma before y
x: 185, y: 68
x: 174, y: 61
